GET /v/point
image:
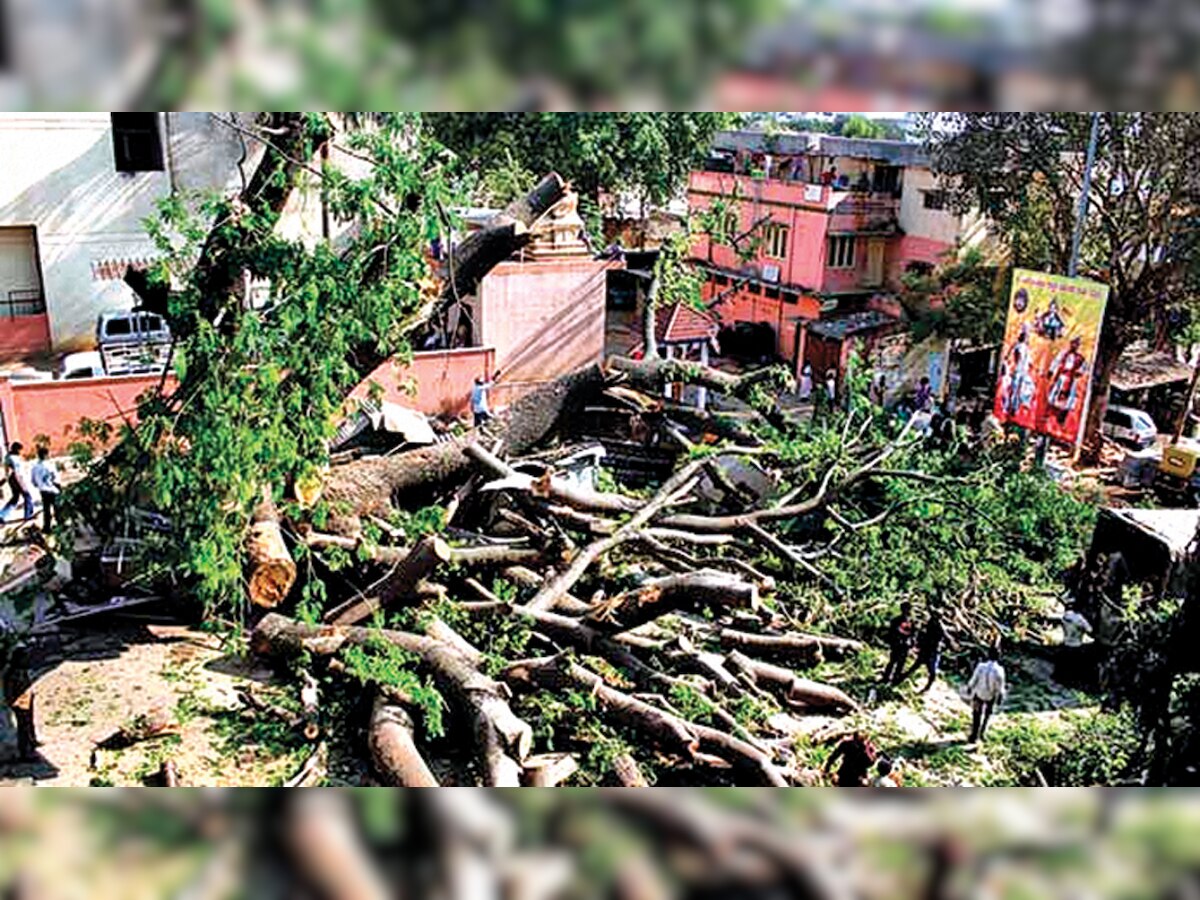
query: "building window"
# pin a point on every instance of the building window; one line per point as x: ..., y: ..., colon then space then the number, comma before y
x: 886, y: 180
x: 721, y: 280
x: 775, y: 240
x: 20, y: 274
x: 754, y: 288
x: 790, y: 297
x: 935, y: 199
x: 137, y: 145
x: 772, y: 293
x: 841, y: 251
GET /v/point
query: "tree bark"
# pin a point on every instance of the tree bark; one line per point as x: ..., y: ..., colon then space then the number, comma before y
x: 500, y: 735
x: 627, y: 771
x: 272, y: 571
x: 796, y: 691
x: 371, y: 486
x: 422, y: 560
x: 393, y: 747
x: 551, y: 486
x: 799, y: 650
x: 706, y: 589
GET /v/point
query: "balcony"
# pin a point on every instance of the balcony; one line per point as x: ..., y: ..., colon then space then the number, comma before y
x: 764, y: 190
x: 865, y: 213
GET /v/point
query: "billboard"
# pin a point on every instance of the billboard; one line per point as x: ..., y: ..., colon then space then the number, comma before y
x: 1049, y: 348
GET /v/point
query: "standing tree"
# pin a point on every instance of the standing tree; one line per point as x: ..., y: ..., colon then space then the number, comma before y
x: 1141, y: 229
x: 648, y: 154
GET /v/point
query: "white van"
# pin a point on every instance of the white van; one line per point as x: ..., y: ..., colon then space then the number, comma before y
x: 133, y: 342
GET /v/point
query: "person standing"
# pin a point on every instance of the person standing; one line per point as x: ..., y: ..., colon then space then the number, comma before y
x: 806, y: 383
x: 45, y: 480
x: 479, y: 399
x: 831, y: 389
x: 17, y: 677
x: 985, y: 689
x: 899, y: 639
x: 857, y: 755
x: 18, y: 482
x: 929, y: 650
x: 923, y: 399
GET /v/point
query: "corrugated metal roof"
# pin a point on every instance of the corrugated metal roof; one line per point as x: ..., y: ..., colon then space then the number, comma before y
x: 1174, y: 527
x: 1140, y: 368
x: 841, y: 326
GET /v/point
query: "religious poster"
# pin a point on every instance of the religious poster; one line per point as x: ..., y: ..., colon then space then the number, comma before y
x: 1049, y: 349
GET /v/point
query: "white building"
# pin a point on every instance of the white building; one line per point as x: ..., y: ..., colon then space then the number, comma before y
x: 75, y: 191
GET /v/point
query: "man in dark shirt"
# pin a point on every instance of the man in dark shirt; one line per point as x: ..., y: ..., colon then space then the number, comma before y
x: 899, y: 638
x: 929, y: 649
x: 857, y: 755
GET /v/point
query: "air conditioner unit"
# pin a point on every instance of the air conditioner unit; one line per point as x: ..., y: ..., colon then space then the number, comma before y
x: 770, y: 273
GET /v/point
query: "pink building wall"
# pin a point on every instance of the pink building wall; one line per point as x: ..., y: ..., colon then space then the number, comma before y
x: 543, y: 318
x: 31, y: 409
x: 24, y: 336
x: 781, y: 315
x: 440, y: 380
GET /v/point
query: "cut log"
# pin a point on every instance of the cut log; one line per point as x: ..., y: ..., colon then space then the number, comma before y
x: 804, y: 650
x: 706, y: 589
x: 272, y: 571
x: 326, y: 846
x: 796, y: 691
x: 501, y: 737
x: 627, y: 772
x: 427, y: 555
x: 550, y: 769
x: 371, y: 486
x: 393, y: 747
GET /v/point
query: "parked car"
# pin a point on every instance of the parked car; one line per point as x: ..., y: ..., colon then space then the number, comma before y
x: 88, y: 364
x: 1130, y: 426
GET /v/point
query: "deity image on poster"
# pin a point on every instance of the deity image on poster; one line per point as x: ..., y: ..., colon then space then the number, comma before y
x: 1049, y: 347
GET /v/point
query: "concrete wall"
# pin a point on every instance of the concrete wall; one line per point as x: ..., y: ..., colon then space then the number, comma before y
x: 917, y: 221
x: 22, y: 335
x: 54, y: 408
x: 437, y: 382
x: 543, y: 318
x: 745, y: 306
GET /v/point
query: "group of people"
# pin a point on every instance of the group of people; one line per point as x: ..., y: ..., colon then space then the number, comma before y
x: 23, y: 479
x: 858, y: 761
x: 828, y: 390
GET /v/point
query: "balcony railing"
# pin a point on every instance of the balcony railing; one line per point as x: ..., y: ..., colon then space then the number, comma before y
x: 24, y: 302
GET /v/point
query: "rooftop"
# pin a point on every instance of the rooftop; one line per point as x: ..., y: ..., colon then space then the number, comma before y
x: 1140, y: 367
x: 680, y: 324
x: 838, y: 327
x: 809, y: 143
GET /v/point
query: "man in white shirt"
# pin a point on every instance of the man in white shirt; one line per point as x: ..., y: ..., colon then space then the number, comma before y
x: 45, y: 481
x: 985, y: 689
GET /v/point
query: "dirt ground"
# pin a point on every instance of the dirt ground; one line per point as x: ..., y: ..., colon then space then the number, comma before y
x: 94, y: 683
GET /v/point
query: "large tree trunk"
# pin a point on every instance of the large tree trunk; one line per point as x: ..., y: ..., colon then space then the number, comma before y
x: 371, y: 486
x: 501, y: 237
x: 1108, y: 354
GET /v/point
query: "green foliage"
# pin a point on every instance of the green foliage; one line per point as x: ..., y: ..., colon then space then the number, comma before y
x: 692, y: 704
x: 649, y: 154
x: 963, y: 298
x: 384, y: 663
x: 260, y: 389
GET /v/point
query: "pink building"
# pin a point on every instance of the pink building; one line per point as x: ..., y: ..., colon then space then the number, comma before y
x: 837, y: 221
